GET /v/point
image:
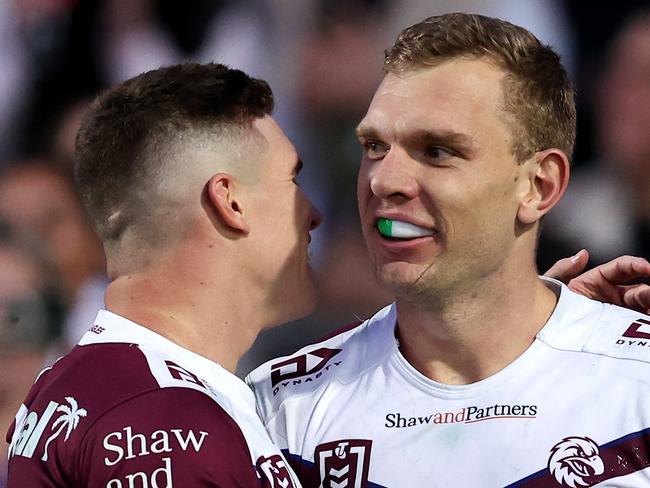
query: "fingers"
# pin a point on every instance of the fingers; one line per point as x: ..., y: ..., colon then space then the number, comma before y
x: 624, y: 269
x: 592, y: 285
x: 607, y: 281
x: 568, y: 268
x: 637, y: 297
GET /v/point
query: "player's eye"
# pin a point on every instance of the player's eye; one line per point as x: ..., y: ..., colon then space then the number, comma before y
x: 437, y: 152
x: 374, y: 149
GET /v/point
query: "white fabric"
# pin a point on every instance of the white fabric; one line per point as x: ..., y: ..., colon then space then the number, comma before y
x: 580, y: 377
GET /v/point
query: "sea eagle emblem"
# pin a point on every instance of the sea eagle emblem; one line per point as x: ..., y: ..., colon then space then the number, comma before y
x: 574, y: 460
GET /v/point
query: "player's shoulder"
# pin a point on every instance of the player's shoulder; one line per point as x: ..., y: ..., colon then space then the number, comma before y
x: 580, y: 324
x: 95, y: 378
x: 100, y: 375
x: 621, y: 333
x: 342, y: 356
x: 114, y: 408
x: 168, y: 433
x: 75, y: 392
x: 183, y: 414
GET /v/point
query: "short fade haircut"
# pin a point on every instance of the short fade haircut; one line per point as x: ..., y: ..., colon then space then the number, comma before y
x: 131, y: 131
x: 537, y: 93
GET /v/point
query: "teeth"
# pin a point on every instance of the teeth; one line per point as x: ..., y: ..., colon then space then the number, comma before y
x: 400, y: 229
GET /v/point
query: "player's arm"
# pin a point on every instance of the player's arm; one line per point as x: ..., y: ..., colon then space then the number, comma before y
x: 167, y: 437
x: 607, y: 281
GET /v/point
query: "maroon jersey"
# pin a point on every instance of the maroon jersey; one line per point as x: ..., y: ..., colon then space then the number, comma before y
x: 129, y: 408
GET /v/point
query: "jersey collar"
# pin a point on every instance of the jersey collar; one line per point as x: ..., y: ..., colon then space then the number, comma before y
x: 110, y: 327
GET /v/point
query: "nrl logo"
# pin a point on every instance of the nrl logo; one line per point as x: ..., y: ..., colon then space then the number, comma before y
x: 276, y: 472
x: 574, y: 460
x: 343, y: 463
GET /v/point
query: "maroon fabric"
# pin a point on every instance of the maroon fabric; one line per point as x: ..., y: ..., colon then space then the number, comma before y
x: 129, y: 431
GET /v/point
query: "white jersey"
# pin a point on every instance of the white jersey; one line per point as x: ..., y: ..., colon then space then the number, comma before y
x: 573, y: 410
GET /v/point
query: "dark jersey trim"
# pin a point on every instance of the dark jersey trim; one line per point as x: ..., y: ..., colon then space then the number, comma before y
x: 621, y: 457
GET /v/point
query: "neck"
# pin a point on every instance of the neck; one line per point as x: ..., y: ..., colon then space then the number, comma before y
x: 477, y: 333
x: 201, y: 314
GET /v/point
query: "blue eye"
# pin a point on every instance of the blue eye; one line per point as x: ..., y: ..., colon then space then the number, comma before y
x: 437, y: 152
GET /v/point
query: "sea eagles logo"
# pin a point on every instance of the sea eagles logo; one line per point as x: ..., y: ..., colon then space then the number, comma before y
x: 573, y: 460
x: 343, y: 463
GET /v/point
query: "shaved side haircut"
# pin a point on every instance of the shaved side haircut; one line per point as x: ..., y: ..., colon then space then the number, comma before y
x: 133, y: 154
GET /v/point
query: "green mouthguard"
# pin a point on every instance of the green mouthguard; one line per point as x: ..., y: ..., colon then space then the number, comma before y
x: 385, y: 227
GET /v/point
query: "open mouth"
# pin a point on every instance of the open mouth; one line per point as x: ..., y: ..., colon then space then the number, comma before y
x: 398, y: 230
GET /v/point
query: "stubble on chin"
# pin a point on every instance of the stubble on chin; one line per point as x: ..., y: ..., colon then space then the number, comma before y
x: 428, y: 287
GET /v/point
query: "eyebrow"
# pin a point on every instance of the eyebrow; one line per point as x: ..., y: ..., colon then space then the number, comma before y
x: 365, y: 132
x: 445, y: 137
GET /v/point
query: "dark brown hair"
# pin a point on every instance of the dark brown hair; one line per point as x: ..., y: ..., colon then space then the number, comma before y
x: 130, y: 129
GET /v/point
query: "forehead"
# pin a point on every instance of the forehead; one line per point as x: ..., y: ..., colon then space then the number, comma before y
x: 459, y: 95
x: 279, y: 145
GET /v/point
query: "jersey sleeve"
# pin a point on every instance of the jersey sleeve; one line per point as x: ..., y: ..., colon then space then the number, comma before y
x: 166, y: 437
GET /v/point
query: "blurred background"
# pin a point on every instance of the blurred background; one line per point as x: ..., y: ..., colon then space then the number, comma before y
x: 323, y: 60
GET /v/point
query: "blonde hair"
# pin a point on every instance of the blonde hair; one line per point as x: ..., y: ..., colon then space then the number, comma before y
x: 537, y: 93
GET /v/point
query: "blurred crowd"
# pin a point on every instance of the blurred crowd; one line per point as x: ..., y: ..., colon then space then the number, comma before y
x: 323, y: 61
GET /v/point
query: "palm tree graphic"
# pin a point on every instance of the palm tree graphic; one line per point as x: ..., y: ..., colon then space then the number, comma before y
x: 69, y: 418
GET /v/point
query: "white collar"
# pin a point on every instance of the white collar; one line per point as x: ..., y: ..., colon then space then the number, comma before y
x: 110, y: 327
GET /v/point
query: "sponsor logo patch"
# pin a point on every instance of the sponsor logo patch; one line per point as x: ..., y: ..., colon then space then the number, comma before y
x: 343, y: 463
x: 574, y: 460
x: 466, y: 415
x: 639, y: 329
x: 179, y: 373
x: 304, y: 368
x: 636, y: 335
x: 31, y: 428
x: 126, y: 444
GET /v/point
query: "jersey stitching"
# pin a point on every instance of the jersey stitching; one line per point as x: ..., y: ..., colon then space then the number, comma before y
x: 595, y: 326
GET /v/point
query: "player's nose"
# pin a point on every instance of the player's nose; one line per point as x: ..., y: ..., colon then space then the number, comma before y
x: 393, y: 175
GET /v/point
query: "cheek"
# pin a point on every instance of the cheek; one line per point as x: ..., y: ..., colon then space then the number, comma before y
x: 482, y: 209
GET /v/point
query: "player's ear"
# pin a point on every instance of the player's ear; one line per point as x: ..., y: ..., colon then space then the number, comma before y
x: 547, y: 177
x: 223, y: 196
